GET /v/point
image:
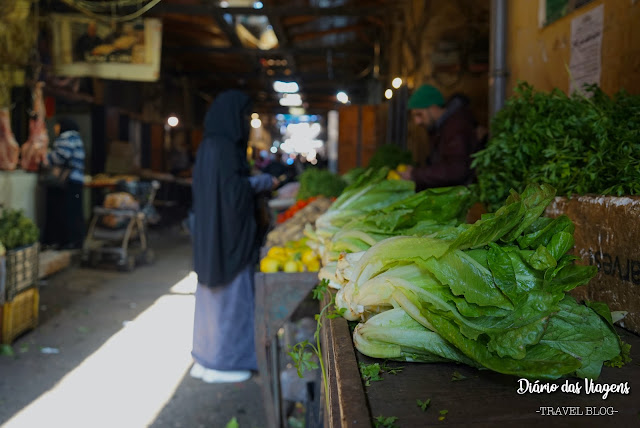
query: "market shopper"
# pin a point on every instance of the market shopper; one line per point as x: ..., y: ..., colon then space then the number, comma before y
x: 225, y: 243
x: 453, y: 137
x: 64, y: 224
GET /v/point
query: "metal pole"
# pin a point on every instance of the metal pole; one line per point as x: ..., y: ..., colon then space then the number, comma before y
x: 498, y: 54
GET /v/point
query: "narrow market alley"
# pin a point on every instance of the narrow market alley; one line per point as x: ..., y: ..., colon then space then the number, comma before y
x: 113, y: 349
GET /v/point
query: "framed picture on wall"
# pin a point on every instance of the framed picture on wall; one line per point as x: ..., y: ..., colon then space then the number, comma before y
x: 123, y: 51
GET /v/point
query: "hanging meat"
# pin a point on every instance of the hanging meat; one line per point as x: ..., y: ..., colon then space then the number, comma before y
x: 34, y: 151
x: 9, y: 150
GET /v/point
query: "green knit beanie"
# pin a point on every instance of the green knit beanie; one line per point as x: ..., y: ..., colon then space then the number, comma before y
x: 425, y: 96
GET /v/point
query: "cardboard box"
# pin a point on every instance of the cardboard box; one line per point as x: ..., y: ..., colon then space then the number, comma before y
x: 607, y: 235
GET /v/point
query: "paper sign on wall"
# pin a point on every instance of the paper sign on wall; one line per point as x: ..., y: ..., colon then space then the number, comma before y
x: 586, y: 49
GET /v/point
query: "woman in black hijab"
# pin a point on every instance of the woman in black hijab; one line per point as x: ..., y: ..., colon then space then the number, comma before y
x: 64, y: 225
x: 225, y: 243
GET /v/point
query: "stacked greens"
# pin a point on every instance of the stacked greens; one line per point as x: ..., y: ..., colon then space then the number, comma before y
x: 390, y: 156
x: 316, y: 182
x: 491, y: 294
x: 375, y: 208
x: 575, y: 143
x: 17, y: 230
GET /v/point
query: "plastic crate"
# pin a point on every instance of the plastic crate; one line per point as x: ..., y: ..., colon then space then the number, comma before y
x: 21, y: 269
x: 20, y: 315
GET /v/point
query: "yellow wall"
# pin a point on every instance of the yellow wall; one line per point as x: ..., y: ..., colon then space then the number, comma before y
x: 541, y: 55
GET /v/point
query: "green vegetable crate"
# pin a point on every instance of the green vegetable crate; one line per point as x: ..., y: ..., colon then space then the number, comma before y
x: 21, y: 269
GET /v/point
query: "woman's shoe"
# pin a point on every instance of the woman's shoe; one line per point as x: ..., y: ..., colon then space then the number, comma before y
x: 225, y: 376
x: 197, y: 371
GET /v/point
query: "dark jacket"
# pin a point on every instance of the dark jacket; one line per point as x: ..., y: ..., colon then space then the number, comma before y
x: 224, y: 229
x: 453, y: 140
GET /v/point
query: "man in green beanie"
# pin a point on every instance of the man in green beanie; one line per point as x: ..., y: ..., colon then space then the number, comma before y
x: 452, y: 133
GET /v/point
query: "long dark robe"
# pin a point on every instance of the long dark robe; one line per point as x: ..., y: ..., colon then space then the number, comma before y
x: 224, y: 235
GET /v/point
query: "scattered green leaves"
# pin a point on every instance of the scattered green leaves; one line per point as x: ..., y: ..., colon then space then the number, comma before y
x: 385, y: 422
x: 233, y: 423
x: 443, y: 415
x: 6, y: 350
x: 391, y: 370
x: 373, y: 372
x: 24, y: 348
x: 457, y: 376
x: 623, y: 358
x: 424, y: 405
x: 369, y: 373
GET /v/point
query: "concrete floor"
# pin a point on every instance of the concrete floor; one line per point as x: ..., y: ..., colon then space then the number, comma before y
x: 123, y: 342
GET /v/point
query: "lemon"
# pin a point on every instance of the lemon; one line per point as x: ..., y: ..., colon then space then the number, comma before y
x: 308, y: 256
x: 393, y: 175
x: 291, y: 266
x: 313, y: 266
x: 269, y: 265
x: 276, y: 252
x: 401, y: 168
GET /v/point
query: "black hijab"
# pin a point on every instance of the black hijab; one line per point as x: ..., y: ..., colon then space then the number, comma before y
x: 67, y: 124
x: 224, y: 232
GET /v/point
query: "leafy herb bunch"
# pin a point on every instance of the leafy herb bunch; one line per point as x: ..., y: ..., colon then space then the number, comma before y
x: 578, y: 144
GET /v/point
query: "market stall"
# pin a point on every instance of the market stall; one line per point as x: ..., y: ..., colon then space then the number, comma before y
x: 436, y: 320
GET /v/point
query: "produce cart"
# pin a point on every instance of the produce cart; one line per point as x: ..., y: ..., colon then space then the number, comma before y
x: 470, y: 397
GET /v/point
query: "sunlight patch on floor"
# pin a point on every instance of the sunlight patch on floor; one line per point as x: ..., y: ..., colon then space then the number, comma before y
x: 129, y: 379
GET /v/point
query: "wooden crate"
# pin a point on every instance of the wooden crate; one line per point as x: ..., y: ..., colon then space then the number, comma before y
x: 20, y: 314
x: 606, y: 236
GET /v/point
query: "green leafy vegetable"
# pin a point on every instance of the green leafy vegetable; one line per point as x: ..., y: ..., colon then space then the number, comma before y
x: 17, y: 230
x: 577, y: 144
x: 482, y: 295
x: 315, y: 181
x: 390, y: 156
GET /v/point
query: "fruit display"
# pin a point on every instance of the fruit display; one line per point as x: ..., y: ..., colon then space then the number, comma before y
x: 295, y: 256
x: 286, y: 215
x: 293, y: 228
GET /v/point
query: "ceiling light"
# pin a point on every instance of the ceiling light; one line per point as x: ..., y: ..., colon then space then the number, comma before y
x: 257, y: 5
x: 255, y: 116
x: 396, y: 83
x: 224, y: 4
x: 274, y: 150
x: 342, y: 97
x: 256, y: 123
x: 285, y: 87
x: 291, y: 100
x: 388, y: 94
x: 173, y: 121
x: 296, y: 111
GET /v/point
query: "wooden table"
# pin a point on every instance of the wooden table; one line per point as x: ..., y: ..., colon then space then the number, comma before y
x: 482, y: 399
x: 277, y: 297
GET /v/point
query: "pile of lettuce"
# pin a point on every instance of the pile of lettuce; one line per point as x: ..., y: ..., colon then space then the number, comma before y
x: 491, y: 295
x: 378, y: 209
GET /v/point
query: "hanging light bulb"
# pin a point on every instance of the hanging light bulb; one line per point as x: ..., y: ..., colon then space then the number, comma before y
x: 396, y: 83
x: 388, y: 94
